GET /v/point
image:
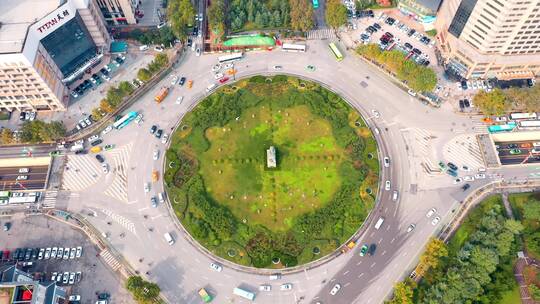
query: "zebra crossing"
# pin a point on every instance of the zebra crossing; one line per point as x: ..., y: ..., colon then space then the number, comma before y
x: 108, y: 258
x: 464, y: 150
x: 120, y: 161
x: 124, y: 222
x: 49, y: 201
x: 81, y: 172
x: 321, y: 34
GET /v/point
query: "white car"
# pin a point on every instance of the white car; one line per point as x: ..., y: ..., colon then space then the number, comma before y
x: 22, y: 177
x: 468, y: 178
x: 66, y: 253
x: 216, y: 67
x: 105, y: 168
x: 164, y: 138
x: 174, y: 80
x: 60, y: 253
x: 457, y: 181
x: 286, y: 287
x: 395, y: 195
x: 411, y: 228
x: 386, y: 162
x: 72, y: 278
x: 78, y: 253
x: 155, y: 155
x: 431, y: 212
x: 228, y: 66
x: 72, y: 254
x: 107, y: 130
x: 47, y: 253
x: 218, y: 76
x: 179, y: 99
x: 198, y: 52
x: 335, y: 289
x: 54, y: 251
x: 265, y: 288
x: 216, y: 267
x: 387, y: 185
x: 376, y: 113
x: 158, y: 48
x: 412, y: 93
x: 74, y: 298
x: 480, y: 176
x: 278, y: 67
x: 53, y: 276
x: 435, y: 221
x: 146, y: 187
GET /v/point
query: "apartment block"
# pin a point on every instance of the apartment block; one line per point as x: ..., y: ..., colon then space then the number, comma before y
x: 118, y: 11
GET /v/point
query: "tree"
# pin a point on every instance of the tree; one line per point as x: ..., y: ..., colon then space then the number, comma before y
x: 125, y: 88
x: 143, y: 291
x: 435, y: 250
x: 216, y: 18
x: 144, y: 75
x: 425, y: 80
x: 336, y: 14
x: 114, y: 96
x: 534, y: 291
x: 524, y: 99
x: 531, y: 210
x: 105, y: 106
x: 161, y: 60
x: 492, y: 103
x: 53, y: 131
x: 181, y: 15
x: 302, y: 16
x: 403, y: 292
x: 6, y: 136
x: 97, y: 114
x: 363, y: 4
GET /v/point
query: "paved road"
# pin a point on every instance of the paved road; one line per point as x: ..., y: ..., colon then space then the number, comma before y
x: 36, y: 178
x: 525, y: 152
x: 123, y: 210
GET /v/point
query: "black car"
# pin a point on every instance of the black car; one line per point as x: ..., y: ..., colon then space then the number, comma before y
x: 465, y: 187
x: 452, y: 166
x: 119, y: 60
x: 512, y: 146
x: 96, y: 142
x: 408, y: 46
x: 371, y: 13
x: 464, y: 84
x: 182, y: 81
x: 390, y: 21
x: 153, y: 129
x: 372, y: 248
x: 411, y: 32
x: 417, y: 51
x: 189, y: 42
x: 104, y: 71
x: 377, y: 26
x: 35, y: 253
x: 426, y: 63
x: 100, y: 158
x: 461, y: 104
x: 22, y: 116
x: 466, y: 103
x: 103, y: 296
x: 195, y: 31
x: 370, y: 29
x: 28, y: 254
x: 20, y: 257
x: 158, y: 133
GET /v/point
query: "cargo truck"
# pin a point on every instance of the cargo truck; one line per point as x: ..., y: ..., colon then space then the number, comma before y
x: 161, y: 95
x: 205, y: 296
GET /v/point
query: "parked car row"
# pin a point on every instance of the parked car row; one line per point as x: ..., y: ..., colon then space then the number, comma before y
x: 67, y: 278
x: 474, y: 85
x: 97, y: 78
x: 84, y: 122
x: 27, y: 115
x: 29, y: 254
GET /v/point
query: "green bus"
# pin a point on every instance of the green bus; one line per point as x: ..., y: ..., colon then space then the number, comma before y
x: 335, y: 51
x: 315, y: 4
x: 205, y: 296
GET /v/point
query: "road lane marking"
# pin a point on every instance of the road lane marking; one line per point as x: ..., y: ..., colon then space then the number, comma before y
x: 157, y: 216
x: 404, y: 254
x: 332, y: 280
x: 372, y: 264
x: 383, y: 252
x: 357, y: 264
x: 360, y: 275
x: 345, y: 273
x: 385, y: 209
x: 347, y: 284
x: 228, y: 275
x: 387, y: 227
x: 371, y: 235
x: 142, y: 209
x: 380, y: 241
x: 392, y: 240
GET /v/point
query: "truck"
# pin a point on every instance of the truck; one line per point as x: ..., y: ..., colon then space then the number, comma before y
x: 77, y: 146
x: 205, y: 296
x: 162, y: 94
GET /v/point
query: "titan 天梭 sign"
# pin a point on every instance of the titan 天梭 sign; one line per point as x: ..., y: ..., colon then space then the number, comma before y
x: 55, y: 20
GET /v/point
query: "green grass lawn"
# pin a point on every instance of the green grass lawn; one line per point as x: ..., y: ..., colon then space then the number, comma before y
x: 532, y: 227
x: 236, y: 175
x: 511, y: 296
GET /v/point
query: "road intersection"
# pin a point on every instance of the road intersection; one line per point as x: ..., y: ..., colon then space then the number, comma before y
x: 412, y: 135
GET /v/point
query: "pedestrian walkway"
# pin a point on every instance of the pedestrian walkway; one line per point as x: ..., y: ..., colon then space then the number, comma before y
x: 49, y: 201
x: 120, y: 161
x: 110, y: 259
x: 523, y: 288
x: 81, y: 172
x: 124, y: 222
x: 464, y: 150
x: 321, y: 34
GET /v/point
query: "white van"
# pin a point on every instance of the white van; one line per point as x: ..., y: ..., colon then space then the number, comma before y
x: 211, y: 87
x: 160, y: 198
x: 395, y: 195
x: 275, y: 276
x: 379, y: 223
x: 24, y: 170
x: 168, y: 238
x: 143, y: 47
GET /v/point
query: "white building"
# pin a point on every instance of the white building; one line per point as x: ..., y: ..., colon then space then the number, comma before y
x: 271, y: 157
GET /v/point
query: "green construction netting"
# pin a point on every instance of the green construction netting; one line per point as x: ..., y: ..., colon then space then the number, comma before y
x: 119, y: 47
x: 250, y: 40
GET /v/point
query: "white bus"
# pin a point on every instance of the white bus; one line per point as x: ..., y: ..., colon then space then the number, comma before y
x: 379, y: 223
x: 231, y: 57
x: 516, y: 116
x: 289, y: 47
x: 529, y: 124
x: 244, y: 294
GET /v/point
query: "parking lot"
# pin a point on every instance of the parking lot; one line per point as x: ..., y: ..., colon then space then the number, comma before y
x: 90, y: 275
x: 518, y: 152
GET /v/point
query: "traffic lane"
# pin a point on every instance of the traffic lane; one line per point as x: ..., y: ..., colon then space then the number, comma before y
x: 24, y: 151
x: 15, y: 170
x: 17, y: 186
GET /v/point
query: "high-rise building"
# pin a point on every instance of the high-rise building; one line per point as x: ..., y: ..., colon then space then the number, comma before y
x: 44, y: 46
x: 23, y: 288
x: 118, y: 11
x: 490, y: 38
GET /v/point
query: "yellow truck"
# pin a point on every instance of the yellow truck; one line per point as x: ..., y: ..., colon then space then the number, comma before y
x: 162, y: 94
x: 95, y: 149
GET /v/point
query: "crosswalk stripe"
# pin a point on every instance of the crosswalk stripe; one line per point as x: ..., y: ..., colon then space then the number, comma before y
x: 81, y: 172
x: 124, y: 222
x: 321, y: 34
x: 49, y: 200
x: 118, y: 188
x: 110, y: 259
x: 464, y: 149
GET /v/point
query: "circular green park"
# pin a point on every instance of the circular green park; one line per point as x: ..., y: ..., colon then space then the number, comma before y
x: 272, y: 172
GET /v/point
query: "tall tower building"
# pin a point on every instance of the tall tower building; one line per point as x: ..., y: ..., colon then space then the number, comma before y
x: 490, y: 38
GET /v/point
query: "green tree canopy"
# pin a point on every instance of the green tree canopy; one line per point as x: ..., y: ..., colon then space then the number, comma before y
x: 38, y: 131
x: 144, y: 74
x: 302, y: 16
x: 143, y: 291
x: 336, y: 13
x: 181, y: 14
x: 492, y: 103
x: 531, y: 210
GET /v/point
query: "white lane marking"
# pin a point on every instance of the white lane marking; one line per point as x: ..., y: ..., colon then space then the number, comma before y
x: 197, y: 260
x: 142, y: 209
x: 404, y: 254
x: 332, y: 280
x: 360, y: 275
x: 371, y: 235
x: 392, y: 240
x: 387, y: 227
x: 157, y: 216
x: 383, y: 252
x: 372, y: 264
x: 385, y: 209
x: 357, y: 264
x: 347, y: 284
x: 379, y: 241
x: 205, y: 278
x: 345, y: 273
x: 227, y: 275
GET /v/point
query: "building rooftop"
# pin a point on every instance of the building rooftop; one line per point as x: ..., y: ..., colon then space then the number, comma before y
x: 431, y: 4
x: 15, y: 18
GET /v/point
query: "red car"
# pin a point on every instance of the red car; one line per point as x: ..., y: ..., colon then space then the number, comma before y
x: 224, y: 79
x: 6, y: 255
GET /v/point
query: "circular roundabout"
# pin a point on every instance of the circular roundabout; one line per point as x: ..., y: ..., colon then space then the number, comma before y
x: 272, y: 172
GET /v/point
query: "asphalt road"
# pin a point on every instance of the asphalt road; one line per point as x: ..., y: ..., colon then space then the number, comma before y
x: 117, y: 205
x: 525, y: 155
x: 37, y: 177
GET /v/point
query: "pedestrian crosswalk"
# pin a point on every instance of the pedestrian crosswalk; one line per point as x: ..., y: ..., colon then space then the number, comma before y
x: 464, y: 150
x: 321, y: 34
x: 49, y: 200
x: 110, y: 259
x: 480, y: 128
x: 120, y: 167
x: 81, y: 172
x: 124, y: 222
